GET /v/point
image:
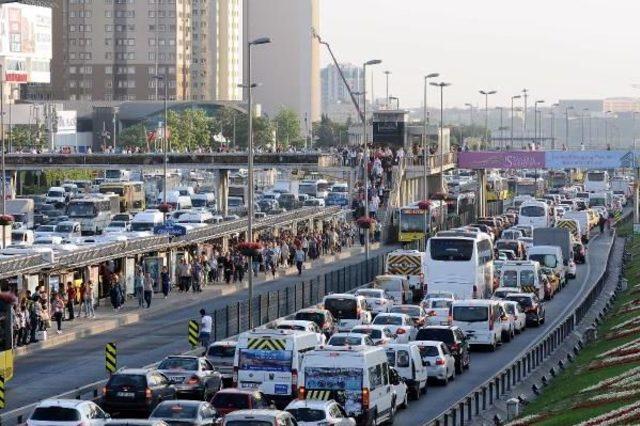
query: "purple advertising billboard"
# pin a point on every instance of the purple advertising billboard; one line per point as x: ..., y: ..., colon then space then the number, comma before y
x: 501, y: 159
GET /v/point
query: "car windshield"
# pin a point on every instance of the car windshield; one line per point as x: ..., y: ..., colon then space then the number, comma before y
x: 222, y: 351
x: 470, y: 313
x: 55, y: 414
x: 45, y: 228
x: 387, y: 320
x: 371, y: 332
x: 64, y: 228
x: 179, y: 364
x: 437, y: 334
x: 175, y: 411
x: 307, y: 414
x: 532, y: 211
x: 230, y: 400
x: 117, y: 224
x: 81, y: 209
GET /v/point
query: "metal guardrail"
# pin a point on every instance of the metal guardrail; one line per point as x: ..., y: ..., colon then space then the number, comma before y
x: 484, y: 396
x: 102, y: 252
x: 234, y: 318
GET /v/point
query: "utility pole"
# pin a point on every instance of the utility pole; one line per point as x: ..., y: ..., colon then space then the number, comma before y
x: 524, y: 116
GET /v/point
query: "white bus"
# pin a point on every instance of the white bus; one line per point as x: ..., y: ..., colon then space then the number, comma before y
x: 318, y: 188
x: 94, y: 214
x: 536, y: 214
x: 460, y: 264
x: 596, y: 181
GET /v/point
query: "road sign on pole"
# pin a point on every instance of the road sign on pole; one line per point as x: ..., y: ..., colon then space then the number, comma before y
x: 111, y: 358
x: 194, y: 333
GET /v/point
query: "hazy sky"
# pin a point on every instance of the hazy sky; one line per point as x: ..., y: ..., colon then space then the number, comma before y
x: 557, y: 49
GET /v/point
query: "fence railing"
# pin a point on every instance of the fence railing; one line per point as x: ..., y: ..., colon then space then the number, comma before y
x: 485, y: 395
x: 234, y: 318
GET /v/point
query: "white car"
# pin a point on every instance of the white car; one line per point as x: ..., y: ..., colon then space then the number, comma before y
x: 508, y: 323
x: 376, y: 299
x: 350, y: 339
x: 399, y: 389
x: 438, y: 311
x: 501, y: 292
x: 572, y: 269
x: 302, y: 325
x: 311, y: 412
x: 117, y: 226
x: 441, y: 365
x: 400, y: 324
x: 515, y: 311
x: 67, y: 412
x: 380, y: 334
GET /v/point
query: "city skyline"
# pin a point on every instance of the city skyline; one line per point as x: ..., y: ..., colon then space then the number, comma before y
x: 545, y: 47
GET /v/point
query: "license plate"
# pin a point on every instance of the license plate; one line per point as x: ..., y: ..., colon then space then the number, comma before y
x: 177, y: 379
x: 250, y: 385
x: 126, y: 394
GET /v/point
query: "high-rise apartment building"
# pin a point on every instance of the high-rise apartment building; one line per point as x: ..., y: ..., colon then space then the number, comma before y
x: 117, y: 49
x: 336, y: 101
x: 288, y: 69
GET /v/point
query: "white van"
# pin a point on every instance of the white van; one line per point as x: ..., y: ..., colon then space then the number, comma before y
x: 269, y: 360
x: 147, y: 220
x: 480, y: 320
x: 197, y: 216
x: 176, y: 200
x: 204, y: 200
x: 357, y: 378
x: 550, y: 257
x: 348, y: 310
x: 582, y: 216
x: 406, y: 359
x: 525, y: 275
x: 22, y: 237
x: 56, y: 194
x: 396, y: 286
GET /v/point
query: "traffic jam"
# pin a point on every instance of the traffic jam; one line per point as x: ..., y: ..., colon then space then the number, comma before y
x: 358, y: 358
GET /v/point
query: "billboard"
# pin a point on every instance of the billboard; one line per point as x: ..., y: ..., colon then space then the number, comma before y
x: 589, y: 159
x: 25, y: 42
x: 66, y: 121
x: 555, y: 160
x: 501, y: 159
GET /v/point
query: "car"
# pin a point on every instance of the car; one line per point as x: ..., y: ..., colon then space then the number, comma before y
x: 572, y: 269
x: 455, y: 340
x: 508, y: 323
x: 441, y: 365
x: 350, y: 339
x: 399, y: 389
x: 193, y: 376
x: 417, y: 313
x: 52, y: 412
x: 310, y: 412
x: 302, y: 325
x: 193, y: 413
x: 502, y: 292
x: 400, y: 324
x: 437, y: 295
x: 259, y: 418
x: 125, y: 217
x: 380, y: 334
x: 231, y: 399
x: 136, y: 422
x: 376, y: 299
x: 221, y: 355
x: 515, y: 311
x: 532, y: 306
x: 117, y: 226
x: 136, y: 390
x: 321, y: 317
x: 438, y: 311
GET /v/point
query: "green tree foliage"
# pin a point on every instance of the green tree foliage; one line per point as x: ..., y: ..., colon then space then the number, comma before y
x: 287, y: 125
x: 327, y: 133
x: 189, y: 129
x: 134, y: 136
x: 25, y: 137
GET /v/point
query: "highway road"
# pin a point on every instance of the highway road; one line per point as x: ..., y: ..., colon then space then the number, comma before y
x: 64, y: 368
x: 485, y: 365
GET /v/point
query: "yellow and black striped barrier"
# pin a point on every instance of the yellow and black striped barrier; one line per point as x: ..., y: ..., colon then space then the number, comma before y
x: 267, y: 344
x: 193, y: 333
x: 111, y: 358
x: 319, y: 395
x: 2, y: 403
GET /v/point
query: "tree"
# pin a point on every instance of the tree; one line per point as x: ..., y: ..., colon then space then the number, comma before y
x: 25, y: 137
x: 287, y: 125
x: 134, y: 136
x: 328, y: 133
x: 189, y: 129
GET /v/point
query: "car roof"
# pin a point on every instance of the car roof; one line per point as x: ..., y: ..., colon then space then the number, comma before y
x: 312, y: 311
x: 392, y: 314
x: 255, y: 414
x: 61, y: 402
x: 439, y: 327
x: 227, y: 343
x: 427, y: 342
x: 295, y: 322
x: 183, y: 357
x: 310, y: 403
x: 187, y: 402
x: 238, y: 391
x: 132, y: 371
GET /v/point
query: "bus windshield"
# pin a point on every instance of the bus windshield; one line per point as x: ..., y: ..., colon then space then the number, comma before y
x: 595, y: 176
x: 451, y: 249
x: 308, y: 188
x: 81, y: 209
x: 412, y: 222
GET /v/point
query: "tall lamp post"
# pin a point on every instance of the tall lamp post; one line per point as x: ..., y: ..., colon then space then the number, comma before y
x: 525, y: 96
x: 566, y: 125
x: 512, y: 117
x: 165, y: 135
x: 441, y: 85
x: 365, y: 174
x: 486, y: 94
x: 248, y: 85
x: 425, y: 129
x: 553, y: 125
x: 387, y: 74
x: 535, y: 121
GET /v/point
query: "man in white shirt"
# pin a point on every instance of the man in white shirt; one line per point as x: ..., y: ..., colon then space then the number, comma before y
x: 206, y: 325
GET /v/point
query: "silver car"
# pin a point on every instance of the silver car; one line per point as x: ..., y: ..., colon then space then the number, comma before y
x: 192, y: 376
x: 196, y: 413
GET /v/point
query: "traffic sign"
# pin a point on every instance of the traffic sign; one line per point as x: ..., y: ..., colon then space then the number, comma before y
x: 111, y: 358
x: 170, y: 229
x: 194, y: 333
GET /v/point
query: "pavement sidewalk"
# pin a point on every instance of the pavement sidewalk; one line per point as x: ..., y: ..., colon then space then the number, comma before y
x: 107, y: 319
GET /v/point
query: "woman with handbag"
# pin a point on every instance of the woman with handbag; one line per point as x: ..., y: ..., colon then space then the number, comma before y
x: 57, y: 307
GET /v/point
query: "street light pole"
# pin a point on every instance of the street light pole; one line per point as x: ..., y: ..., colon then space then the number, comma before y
x: 535, y: 121
x: 365, y: 174
x: 486, y: 114
x: 566, y: 125
x: 425, y: 129
x: 387, y: 74
x: 249, y: 86
x: 512, y: 121
x: 441, y: 85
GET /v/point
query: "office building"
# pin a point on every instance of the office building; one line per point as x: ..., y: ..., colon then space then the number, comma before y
x: 288, y: 69
x: 593, y: 105
x: 117, y: 49
x: 617, y: 105
x: 336, y: 101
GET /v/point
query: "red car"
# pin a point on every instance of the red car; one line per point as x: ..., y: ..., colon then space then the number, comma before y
x: 229, y: 400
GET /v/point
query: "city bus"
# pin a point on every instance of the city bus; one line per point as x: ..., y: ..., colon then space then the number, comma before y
x: 559, y: 178
x: 318, y: 188
x: 6, y: 335
x: 412, y: 220
x: 458, y: 204
x: 497, y: 188
x: 535, y: 213
x: 596, y: 181
x: 93, y: 213
x: 132, y: 195
x: 460, y: 263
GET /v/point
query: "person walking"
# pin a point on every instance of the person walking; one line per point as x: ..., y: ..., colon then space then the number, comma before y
x: 148, y: 289
x: 87, y: 301
x: 58, y: 312
x: 196, y: 276
x: 116, y: 295
x: 300, y: 256
x: 206, y: 325
x: 138, y: 284
x: 71, y: 300
x: 165, y: 280
x: 184, y: 275
x: 601, y: 222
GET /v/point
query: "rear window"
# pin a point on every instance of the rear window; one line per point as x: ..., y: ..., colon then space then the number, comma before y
x: 437, y: 334
x: 509, y: 278
x: 345, y: 340
x: 55, y: 414
x: 371, y: 332
x: 176, y: 411
x: 222, y: 351
x: 441, y: 304
x: 179, y: 364
x: 342, y: 308
x: 470, y: 313
x: 229, y: 400
x: 387, y: 320
x: 524, y: 301
x: 307, y: 414
x: 428, y: 351
x: 248, y: 423
x: 130, y: 380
